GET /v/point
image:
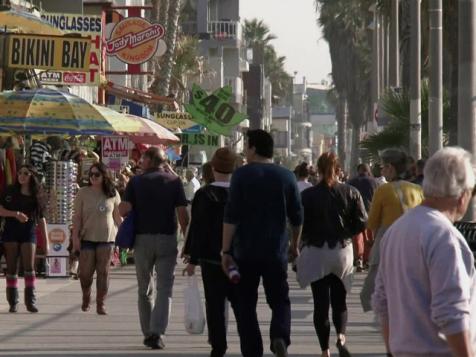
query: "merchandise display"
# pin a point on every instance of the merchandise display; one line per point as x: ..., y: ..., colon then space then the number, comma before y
x: 61, y: 186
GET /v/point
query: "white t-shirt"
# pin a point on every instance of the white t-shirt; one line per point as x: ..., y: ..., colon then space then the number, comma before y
x: 302, y: 185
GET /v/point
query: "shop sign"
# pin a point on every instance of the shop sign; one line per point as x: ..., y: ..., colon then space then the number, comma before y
x: 86, y: 25
x: 58, y: 240
x: 57, y: 267
x: 134, y: 40
x: 214, y: 111
x: 115, y: 151
x: 175, y: 120
x: 203, y: 139
x: 48, y: 52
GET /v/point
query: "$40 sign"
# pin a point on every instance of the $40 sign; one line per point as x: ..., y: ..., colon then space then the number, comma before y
x: 214, y: 111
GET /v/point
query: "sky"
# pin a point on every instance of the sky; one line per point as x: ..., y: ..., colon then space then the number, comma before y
x: 299, y: 37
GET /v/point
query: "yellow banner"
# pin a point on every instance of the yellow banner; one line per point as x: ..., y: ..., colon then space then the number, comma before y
x: 49, y: 52
x: 174, y: 120
x: 85, y: 25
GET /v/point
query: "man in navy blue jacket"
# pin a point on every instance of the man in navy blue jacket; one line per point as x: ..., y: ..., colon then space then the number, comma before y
x: 262, y: 197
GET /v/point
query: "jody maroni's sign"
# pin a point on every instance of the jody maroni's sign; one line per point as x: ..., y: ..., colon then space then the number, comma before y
x: 134, y: 40
x: 49, y: 52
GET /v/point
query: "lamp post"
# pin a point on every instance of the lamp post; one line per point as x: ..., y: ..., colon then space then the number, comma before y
x: 415, y: 80
x: 394, y: 75
x: 435, y: 105
x: 467, y: 82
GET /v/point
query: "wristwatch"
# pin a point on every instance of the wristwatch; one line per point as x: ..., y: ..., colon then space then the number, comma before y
x: 225, y: 252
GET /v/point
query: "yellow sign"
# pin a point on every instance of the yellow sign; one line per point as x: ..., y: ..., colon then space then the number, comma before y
x: 174, y: 120
x: 85, y: 25
x: 49, y: 52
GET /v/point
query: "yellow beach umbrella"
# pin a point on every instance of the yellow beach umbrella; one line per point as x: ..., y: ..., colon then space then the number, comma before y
x: 138, y: 129
x: 50, y: 111
x: 26, y: 22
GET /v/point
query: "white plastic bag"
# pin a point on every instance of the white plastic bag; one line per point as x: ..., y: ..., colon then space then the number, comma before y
x: 194, y: 316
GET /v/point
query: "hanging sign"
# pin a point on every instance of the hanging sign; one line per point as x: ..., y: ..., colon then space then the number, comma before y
x: 175, y: 120
x: 86, y: 25
x: 202, y: 139
x: 134, y: 40
x: 214, y: 111
x: 115, y: 151
x: 48, y: 52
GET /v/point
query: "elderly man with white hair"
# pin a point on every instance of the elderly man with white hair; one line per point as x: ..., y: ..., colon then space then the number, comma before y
x: 425, y: 290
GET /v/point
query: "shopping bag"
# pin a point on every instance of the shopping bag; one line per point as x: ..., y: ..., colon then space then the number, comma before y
x: 194, y: 318
x: 126, y: 234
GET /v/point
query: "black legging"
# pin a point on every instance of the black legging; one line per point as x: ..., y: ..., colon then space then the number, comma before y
x: 329, y: 287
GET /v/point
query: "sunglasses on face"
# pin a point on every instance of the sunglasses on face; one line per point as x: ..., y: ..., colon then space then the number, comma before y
x: 95, y: 174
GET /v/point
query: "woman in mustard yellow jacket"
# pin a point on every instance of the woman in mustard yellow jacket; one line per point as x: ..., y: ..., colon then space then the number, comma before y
x: 390, y: 201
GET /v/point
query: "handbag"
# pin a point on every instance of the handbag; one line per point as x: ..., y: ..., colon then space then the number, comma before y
x: 126, y: 234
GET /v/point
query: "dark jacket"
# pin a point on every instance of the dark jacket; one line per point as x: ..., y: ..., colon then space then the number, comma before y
x: 205, y: 234
x: 366, y: 186
x: 332, y: 214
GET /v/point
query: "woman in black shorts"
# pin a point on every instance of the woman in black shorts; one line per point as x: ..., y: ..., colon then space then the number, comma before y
x: 22, y: 208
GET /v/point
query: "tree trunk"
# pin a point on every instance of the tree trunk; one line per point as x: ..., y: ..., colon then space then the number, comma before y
x: 171, y: 39
x: 355, y: 153
x: 451, y: 31
x: 163, y: 11
x: 157, y: 14
x: 405, y: 43
x: 341, y: 126
x: 356, y: 118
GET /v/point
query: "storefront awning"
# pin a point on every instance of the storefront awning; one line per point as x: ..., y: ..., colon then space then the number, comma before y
x: 139, y: 96
x: 14, y: 18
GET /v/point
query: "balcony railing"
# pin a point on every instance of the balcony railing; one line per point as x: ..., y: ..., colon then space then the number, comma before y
x: 224, y: 30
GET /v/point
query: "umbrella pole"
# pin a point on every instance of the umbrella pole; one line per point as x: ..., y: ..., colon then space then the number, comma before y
x: 26, y: 148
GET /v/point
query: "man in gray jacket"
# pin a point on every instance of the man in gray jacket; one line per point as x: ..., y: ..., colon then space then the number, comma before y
x: 425, y: 289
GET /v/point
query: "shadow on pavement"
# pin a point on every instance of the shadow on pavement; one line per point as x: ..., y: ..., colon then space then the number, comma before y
x: 162, y: 354
x: 57, y: 316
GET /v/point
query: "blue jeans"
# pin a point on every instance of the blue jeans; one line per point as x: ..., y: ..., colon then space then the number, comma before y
x: 274, y: 274
x: 157, y: 251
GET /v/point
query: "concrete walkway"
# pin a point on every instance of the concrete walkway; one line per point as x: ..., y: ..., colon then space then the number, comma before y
x: 62, y: 329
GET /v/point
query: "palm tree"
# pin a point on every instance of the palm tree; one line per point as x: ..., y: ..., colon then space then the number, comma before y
x: 163, y: 68
x: 188, y: 66
x: 396, y: 133
x: 344, y: 24
x: 258, y: 36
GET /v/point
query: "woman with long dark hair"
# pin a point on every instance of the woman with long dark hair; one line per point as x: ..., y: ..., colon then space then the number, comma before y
x: 95, y: 222
x: 22, y: 208
x: 333, y: 214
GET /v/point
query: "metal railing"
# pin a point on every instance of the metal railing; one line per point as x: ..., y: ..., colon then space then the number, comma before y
x: 223, y: 30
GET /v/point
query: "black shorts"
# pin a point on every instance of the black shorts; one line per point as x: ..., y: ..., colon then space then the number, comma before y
x: 88, y: 245
x: 11, y: 237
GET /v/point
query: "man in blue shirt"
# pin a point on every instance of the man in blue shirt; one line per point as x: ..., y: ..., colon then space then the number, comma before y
x: 255, y: 241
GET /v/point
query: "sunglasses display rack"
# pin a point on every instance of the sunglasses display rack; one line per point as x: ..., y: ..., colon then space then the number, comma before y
x: 61, y: 178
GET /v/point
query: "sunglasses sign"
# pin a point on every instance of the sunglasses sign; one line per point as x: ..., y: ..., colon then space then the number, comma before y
x: 115, y: 151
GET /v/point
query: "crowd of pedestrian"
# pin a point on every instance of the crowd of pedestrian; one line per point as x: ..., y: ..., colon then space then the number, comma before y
x: 249, y: 218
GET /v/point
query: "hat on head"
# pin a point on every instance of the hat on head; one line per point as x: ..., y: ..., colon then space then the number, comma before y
x: 224, y: 160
